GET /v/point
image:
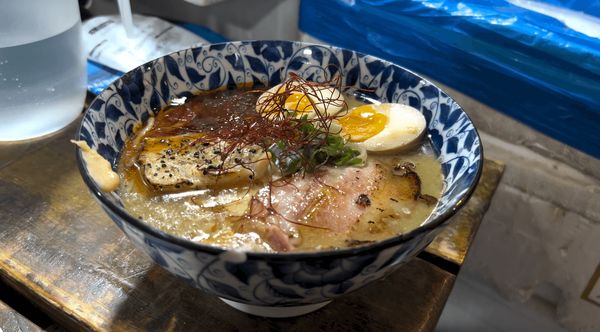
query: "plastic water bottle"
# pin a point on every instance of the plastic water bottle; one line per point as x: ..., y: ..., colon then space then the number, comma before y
x: 42, y: 67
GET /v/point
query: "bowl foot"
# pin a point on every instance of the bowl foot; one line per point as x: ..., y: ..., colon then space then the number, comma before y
x: 275, y: 312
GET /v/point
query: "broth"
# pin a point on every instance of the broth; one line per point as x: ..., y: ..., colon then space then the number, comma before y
x: 334, y: 207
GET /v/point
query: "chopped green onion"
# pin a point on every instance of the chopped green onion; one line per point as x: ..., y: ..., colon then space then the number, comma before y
x: 322, y: 148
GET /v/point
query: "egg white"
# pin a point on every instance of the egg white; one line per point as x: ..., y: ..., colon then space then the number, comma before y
x: 403, y: 131
x: 328, y: 101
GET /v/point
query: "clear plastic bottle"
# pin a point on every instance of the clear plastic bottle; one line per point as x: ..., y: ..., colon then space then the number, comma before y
x: 42, y: 67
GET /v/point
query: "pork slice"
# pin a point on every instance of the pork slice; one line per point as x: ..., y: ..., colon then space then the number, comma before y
x: 351, y: 188
x: 179, y: 163
x: 270, y: 233
x: 332, y: 200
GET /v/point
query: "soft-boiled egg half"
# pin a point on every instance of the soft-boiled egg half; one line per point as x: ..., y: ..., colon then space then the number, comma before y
x: 383, y: 128
x: 328, y: 101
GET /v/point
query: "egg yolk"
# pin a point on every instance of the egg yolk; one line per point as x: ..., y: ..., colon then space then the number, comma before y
x: 298, y: 102
x: 362, y: 123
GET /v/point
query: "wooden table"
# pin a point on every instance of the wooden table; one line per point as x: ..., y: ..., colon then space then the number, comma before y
x: 61, y: 252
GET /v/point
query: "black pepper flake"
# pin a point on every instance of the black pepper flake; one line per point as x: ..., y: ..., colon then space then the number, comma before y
x: 371, y: 222
x: 237, y: 160
x: 363, y: 200
x: 155, y: 174
x: 250, y: 176
x: 217, y: 151
x: 393, y: 199
x: 170, y: 175
x: 177, y: 186
x: 252, y: 150
x: 196, y: 154
x: 172, y: 158
x: 380, y: 209
x: 205, y: 144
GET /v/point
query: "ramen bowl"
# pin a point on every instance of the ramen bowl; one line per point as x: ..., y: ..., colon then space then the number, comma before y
x: 278, y: 284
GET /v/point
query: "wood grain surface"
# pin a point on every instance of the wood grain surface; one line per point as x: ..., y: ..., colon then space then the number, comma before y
x: 454, y: 242
x: 60, y: 250
x: 12, y: 321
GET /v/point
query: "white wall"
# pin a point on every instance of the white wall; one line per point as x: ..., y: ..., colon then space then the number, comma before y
x: 539, y: 243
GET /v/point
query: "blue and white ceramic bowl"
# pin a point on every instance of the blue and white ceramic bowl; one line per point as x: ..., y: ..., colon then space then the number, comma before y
x: 278, y: 284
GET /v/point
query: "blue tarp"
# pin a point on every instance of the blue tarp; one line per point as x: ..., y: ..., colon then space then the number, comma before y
x: 538, y: 62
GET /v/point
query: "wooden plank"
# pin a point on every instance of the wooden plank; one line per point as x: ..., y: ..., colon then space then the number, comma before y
x: 58, y: 248
x: 11, y: 320
x: 454, y: 242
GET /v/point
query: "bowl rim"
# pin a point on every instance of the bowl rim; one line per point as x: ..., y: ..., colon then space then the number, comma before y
x: 279, y: 256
